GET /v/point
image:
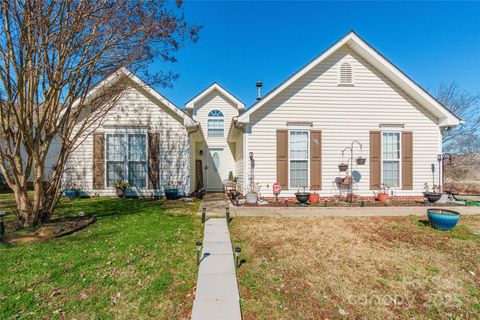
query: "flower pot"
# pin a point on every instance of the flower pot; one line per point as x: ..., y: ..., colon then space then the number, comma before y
x: 443, y: 219
x: 432, y: 197
x: 382, y: 197
x: 171, y: 194
x: 313, y: 199
x: 360, y: 161
x: 120, y: 192
x: 302, y: 197
x: 343, y: 167
x: 71, y: 193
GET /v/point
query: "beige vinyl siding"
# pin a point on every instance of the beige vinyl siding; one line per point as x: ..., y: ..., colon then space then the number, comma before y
x: 138, y: 109
x: 343, y: 113
x: 215, y: 100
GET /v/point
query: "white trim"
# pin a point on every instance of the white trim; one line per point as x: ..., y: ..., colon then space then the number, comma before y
x: 290, y: 187
x: 246, y: 165
x: 446, y: 118
x: 399, y: 159
x: 215, y: 86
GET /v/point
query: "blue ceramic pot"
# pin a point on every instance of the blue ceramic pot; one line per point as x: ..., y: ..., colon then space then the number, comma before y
x: 171, y: 194
x: 443, y: 219
x: 71, y: 193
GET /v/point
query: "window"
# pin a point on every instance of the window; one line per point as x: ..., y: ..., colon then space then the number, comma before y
x: 298, y: 146
x: 346, y: 76
x: 391, y: 159
x: 215, y: 124
x: 126, y: 159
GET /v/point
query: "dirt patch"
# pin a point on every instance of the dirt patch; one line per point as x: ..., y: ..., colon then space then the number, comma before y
x: 56, y: 228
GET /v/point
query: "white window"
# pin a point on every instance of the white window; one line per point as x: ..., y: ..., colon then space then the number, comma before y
x: 391, y: 159
x: 298, y: 148
x: 126, y: 159
x: 215, y: 124
x: 346, y: 74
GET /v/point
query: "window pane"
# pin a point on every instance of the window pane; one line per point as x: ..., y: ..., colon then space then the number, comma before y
x: 298, y: 145
x: 391, y: 145
x: 137, y: 148
x: 116, y: 147
x: 115, y: 172
x: 137, y: 174
x: 298, y: 173
x: 391, y: 173
x: 215, y: 127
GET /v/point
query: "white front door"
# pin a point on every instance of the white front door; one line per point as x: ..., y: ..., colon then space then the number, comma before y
x: 215, y: 169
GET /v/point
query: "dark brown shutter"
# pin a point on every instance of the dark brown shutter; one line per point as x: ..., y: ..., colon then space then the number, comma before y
x: 375, y: 160
x: 407, y: 160
x: 316, y: 159
x: 98, y: 161
x: 153, y: 160
x: 282, y: 158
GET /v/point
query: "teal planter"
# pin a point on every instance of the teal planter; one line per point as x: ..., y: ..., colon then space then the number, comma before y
x: 443, y: 219
x: 71, y: 193
x: 171, y: 194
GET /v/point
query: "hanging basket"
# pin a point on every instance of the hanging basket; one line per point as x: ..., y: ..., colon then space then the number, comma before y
x: 360, y: 161
x: 343, y: 167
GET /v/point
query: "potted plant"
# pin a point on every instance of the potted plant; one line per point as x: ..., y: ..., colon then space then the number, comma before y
x: 382, y: 195
x: 434, y: 195
x: 343, y: 167
x: 171, y: 193
x: 314, y: 197
x: 360, y: 161
x: 120, y: 187
x: 71, y: 191
x: 302, y: 196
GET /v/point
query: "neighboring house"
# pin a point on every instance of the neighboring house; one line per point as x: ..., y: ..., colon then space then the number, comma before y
x: 296, y: 133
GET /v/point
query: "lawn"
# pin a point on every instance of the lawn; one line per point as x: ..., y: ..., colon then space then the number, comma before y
x: 357, y: 268
x: 137, y: 261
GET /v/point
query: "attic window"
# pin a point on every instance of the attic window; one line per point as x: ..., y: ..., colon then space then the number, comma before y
x: 346, y: 75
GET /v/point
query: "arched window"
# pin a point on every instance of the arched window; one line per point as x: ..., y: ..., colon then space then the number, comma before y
x: 346, y: 74
x: 215, y: 124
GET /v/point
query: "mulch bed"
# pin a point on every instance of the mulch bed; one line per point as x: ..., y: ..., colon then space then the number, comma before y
x: 55, y: 228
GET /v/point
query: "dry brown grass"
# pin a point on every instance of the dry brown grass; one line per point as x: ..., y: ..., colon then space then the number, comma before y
x: 357, y: 268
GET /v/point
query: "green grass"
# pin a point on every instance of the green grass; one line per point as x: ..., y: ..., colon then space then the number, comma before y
x: 137, y: 261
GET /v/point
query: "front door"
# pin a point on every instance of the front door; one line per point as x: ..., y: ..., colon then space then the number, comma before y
x: 215, y: 169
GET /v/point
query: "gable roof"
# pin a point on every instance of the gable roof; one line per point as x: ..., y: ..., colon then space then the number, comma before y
x: 446, y: 117
x: 215, y: 86
x: 124, y: 72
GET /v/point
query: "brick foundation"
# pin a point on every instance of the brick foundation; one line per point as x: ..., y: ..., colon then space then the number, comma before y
x: 355, y: 198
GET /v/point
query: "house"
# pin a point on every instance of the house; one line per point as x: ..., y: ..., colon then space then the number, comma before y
x: 294, y: 135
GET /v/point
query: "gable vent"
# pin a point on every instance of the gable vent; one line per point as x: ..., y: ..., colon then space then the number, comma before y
x: 346, y: 73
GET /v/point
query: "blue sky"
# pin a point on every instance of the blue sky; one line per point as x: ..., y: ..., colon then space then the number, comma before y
x: 245, y: 42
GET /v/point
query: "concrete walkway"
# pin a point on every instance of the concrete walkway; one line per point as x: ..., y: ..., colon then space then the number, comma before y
x: 217, y: 290
x: 341, y: 211
x: 215, y: 202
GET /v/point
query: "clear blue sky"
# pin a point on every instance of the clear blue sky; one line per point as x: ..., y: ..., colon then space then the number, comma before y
x: 245, y: 42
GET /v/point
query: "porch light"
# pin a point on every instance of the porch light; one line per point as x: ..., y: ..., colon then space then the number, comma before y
x: 439, y: 157
x: 200, y: 152
x: 237, y: 252
x: 250, y: 154
x: 199, y: 247
x: 2, y: 224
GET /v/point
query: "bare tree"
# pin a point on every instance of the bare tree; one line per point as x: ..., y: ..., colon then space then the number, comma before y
x: 52, y: 53
x: 463, y: 141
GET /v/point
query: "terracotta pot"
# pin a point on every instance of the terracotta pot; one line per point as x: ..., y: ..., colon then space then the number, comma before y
x: 382, y: 197
x: 313, y: 199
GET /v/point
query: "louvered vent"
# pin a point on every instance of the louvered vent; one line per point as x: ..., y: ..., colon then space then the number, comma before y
x: 346, y: 73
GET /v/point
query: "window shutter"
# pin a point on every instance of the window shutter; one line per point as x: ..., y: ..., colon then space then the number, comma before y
x: 98, y: 161
x: 282, y: 158
x: 153, y: 160
x: 316, y: 159
x: 407, y: 160
x: 375, y: 160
